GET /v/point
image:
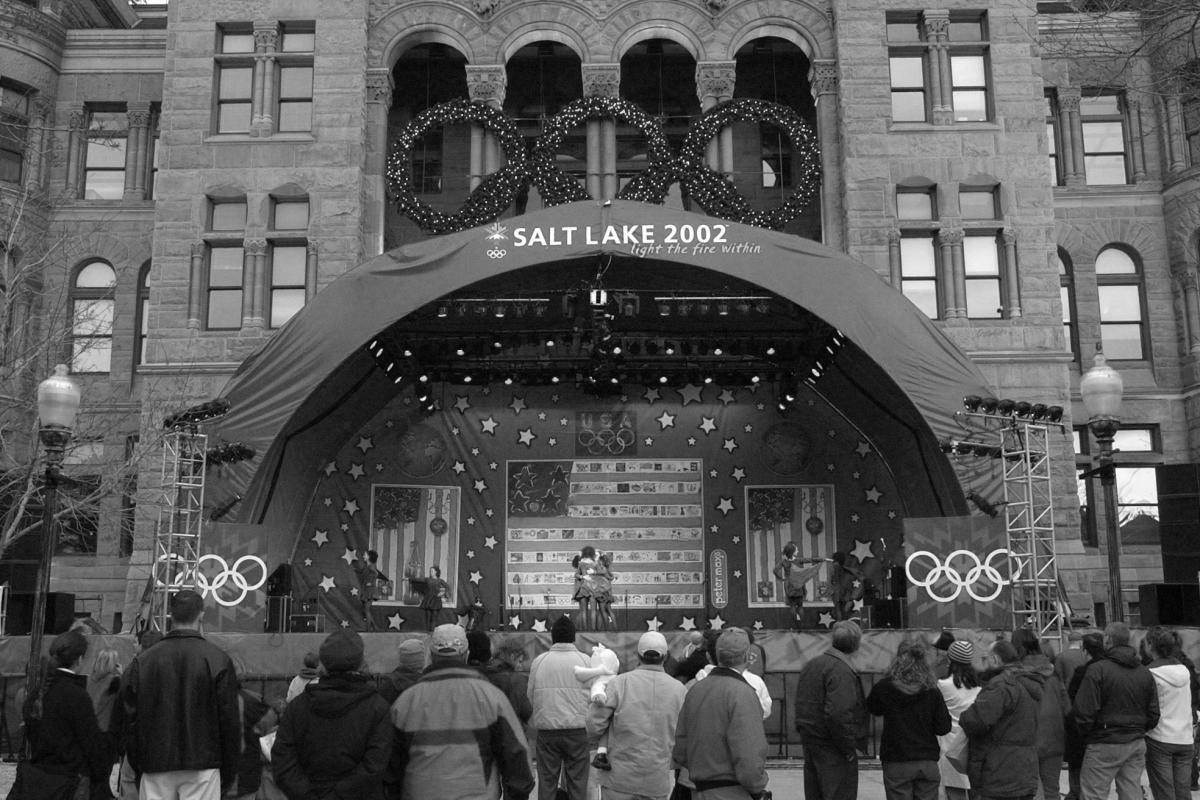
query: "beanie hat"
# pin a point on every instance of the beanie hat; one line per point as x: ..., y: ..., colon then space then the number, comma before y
x: 479, y: 647
x: 652, y: 642
x: 962, y: 652
x: 342, y: 651
x: 448, y: 641
x: 563, y: 631
x: 411, y: 655
x: 944, y: 641
x: 731, y: 647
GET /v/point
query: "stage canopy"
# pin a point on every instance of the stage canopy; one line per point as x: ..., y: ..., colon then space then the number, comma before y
x: 897, y: 378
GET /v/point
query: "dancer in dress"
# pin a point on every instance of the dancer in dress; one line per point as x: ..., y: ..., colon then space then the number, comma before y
x: 794, y: 577
x: 436, y: 590
x: 585, y: 588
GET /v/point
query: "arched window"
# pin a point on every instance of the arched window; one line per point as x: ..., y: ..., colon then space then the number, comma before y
x: 92, y: 317
x: 1066, y: 292
x: 143, y: 315
x: 1122, y: 304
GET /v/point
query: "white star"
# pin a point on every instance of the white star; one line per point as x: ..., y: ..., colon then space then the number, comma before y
x: 863, y: 449
x: 649, y: 441
x: 454, y: 430
x: 470, y: 554
x: 688, y: 624
x: 831, y: 433
x: 461, y: 403
x: 541, y: 416
x: 539, y: 626
x: 666, y: 420
x: 471, y: 521
x: 552, y: 441
x: 760, y: 406
x: 856, y: 474
x: 862, y: 550
x: 474, y: 451
x: 330, y: 468
x: 480, y: 486
x: 873, y: 494
x: 517, y: 404
x: 354, y: 591
x: 654, y: 623
x: 328, y: 502
x: 854, y: 517
x: 475, y: 577
x: 758, y: 625
x: 365, y: 444
x: 395, y: 621
x: 356, y: 471
x: 737, y: 573
x: 514, y: 622
x: 345, y: 623
x: 350, y: 507
x: 726, y: 397
x: 707, y: 424
x: 378, y: 467
x: 714, y: 528
x: 564, y: 421
x: 716, y: 623
x: 712, y: 473
x: 344, y: 527
x: 730, y: 445
x: 891, y: 515
x: 737, y: 540
x: 858, y: 605
x: 349, y: 556
x: 830, y: 467
x: 389, y: 424
x: 320, y: 537
x: 526, y: 437
x: 725, y: 506
x: 690, y: 393
x: 691, y: 440
x: 488, y: 425
x: 328, y: 583
x: 308, y: 562
x: 651, y: 396
x: 490, y: 543
x: 738, y: 474
x: 826, y: 619
x: 459, y: 468
x: 493, y: 466
x: 489, y: 513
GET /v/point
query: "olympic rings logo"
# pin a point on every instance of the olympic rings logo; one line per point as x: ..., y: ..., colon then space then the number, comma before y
x: 947, y: 572
x: 207, y: 585
x: 496, y: 253
x: 607, y: 440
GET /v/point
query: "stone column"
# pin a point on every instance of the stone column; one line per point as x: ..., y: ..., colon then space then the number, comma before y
x: 1072, y: 127
x: 833, y: 218
x: 1173, y: 133
x: 1012, y: 289
x: 602, y: 80
x: 1191, y: 306
x: 487, y: 85
x: 35, y: 145
x: 379, y: 86
x: 254, y: 276
x: 895, y: 275
x: 714, y: 85
x: 310, y: 271
x: 937, y: 32
x: 1134, y: 139
x: 952, y: 276
x: 136, y: 163
x: 262, y: 107
x: 196, y: 287
x: 76, y: 151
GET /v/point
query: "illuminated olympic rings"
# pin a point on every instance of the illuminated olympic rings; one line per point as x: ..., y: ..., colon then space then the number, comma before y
x: 711, y: 190
x: 229, y: 574
x: 960, y: 581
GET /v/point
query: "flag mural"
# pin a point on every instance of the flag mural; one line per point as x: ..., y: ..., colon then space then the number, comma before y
x: 414, y: 528
x: 776, y: 515
x: 647, y: 514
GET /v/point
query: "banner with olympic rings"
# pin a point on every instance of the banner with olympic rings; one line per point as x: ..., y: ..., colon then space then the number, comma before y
x: 958, y: 571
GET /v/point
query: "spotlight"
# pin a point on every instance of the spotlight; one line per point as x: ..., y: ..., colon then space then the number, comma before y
x: 669, y: 349
x: 771, y: 350
x: 1054, y: 413
x: 499, y: 310
x: 374, y: 343
x: 508, y: 381
x: 718, y: 351
x: 398, y: 379
x: 1023, y: 409
x: 1005, y: 407
x: 707, y: 379
x: 988, y: 405
x: 972, y: 402
x: 662, y: 378
x: 458, y: 351
x: 443, y: 311
x: 664, y: 309
x: 598, y: 298
x: 723, y: 309
x: 1039, y: 411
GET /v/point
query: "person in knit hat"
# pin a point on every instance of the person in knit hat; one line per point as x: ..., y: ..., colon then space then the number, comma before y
x: 308, y: 674
x: 560, y: 706
x: 410, y: 663
x: 335, y: 739
x: 959, y: 689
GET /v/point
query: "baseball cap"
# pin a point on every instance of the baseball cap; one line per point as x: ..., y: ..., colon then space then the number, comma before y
x: 732, y: 646
x: 652, y: 642
x: 448, y: 640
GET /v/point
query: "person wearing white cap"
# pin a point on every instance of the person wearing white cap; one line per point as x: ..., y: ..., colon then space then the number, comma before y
x: 638, y: 714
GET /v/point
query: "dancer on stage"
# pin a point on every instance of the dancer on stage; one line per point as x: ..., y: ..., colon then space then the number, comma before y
x: 372, y: 585
x: 846, y: 581
x: 436, y: 590
x: 794, y: 578
x: 603, y: 597
x: 585, y: 587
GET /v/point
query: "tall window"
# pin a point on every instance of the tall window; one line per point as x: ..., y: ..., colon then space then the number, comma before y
x: 1191, y: 130
x: 288, y: 265
x: 1137, y: 450
x: 1066, y: 292
x: 277, y: 98
x: 295, y: 61
x: 14, y: 121
x: 916, y: 69
x: 235, y: 78
x: 104, y: 167
x: 1102, y: 116
x: 1122, y: 307
x: 982, y: 251
x: 1053, y: 138
x: 92, y: 308
x: 143, y: 314
x: 226, y: 259
x: 916, y: 210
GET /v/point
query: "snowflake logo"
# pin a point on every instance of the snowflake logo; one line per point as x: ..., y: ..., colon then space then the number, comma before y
x: 497, y: 232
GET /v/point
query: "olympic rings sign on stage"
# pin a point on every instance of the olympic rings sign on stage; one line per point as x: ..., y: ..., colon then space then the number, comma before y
x: 959, y: 580
x: 226, y: 574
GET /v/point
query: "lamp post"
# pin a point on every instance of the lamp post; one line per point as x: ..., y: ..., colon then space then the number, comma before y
x: 58, y: 402
x: 1101, y: 388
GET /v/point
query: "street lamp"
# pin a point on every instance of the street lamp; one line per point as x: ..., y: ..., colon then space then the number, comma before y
x: 1101, y: 388
x: 58, y: 402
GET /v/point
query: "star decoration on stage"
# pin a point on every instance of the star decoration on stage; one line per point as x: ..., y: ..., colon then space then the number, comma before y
x: 480, y: 486
x: 330, y: 468
x: 350, y: 507
x: 726, y: 397
x: 708, y: 425
x: 649, y: 441
x: 356, y: 471
x: 395, y: 621
x: 737, y: 540
x: 748, y: 428
x: 379, y: 467
x: 344, y: 527
x: 859, y: 604
x: 552, y: 441
x: 690, y: 393
x: 714, y: 528
x: 712, y: 473
x: 320, y: 537
x: 328, y: 501
x: 490, y: 543
x: 891, y: 515
x: 738, y: 474
x: 831, y: 433
x: 517, y: 404
x: 862, y: 550
x: 349, y: 556
x: 854, y: 517
x: 493, y: 466
x: 716, y: 623
x: 365, y: 443
x: 514, y: 622
x: 474, y: 451
x: 526, y: 437
x: 666, y: 420
x: 654, y: 623
x: 730, y: 445
x: 725, y: 506
x: 461, y: 403
x: 488, y: 426
x: 475, y: 577
x: 651, y: 395
x: 328, y: 583
x: 873, y: 494
x: 758, y: 625
x: 539, y: 626
x: 737, y: 573
x: 856, y: 474
x: 308, y: 562
x: 863, y: 449
x: 471, y: 521
x: 825, y: 619
x: 688, y: 624
x: 761, y: 406
x: 345, y: 623
x: 470, y: 554
x: 563, y: 421
x: 691, y: 440
x: 354, y: 591
x: 455, y: 430
x: 489, y: 513
x: 830, y: 467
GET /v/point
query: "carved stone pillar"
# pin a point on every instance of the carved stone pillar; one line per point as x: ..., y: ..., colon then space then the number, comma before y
x: 1068, y: 104
x: 253, y: 276
x: 952, y: 275
x: 485, y: 84
x: 266, y: 35
x: 826, y: 89
x: 196, y: 286
x: 310, y: 271
x: 1135, y: 139
x: 715, y: 81
x: 937, y: 33
x: 1012, y: 289
x: 895, y: 274
x: 76, y: 150
x: 136, y: 163
x: 35, y: 144
x: 602, y: 80
x: 1173, y: 133
x: 379, y: 87
x: 1191, y: 306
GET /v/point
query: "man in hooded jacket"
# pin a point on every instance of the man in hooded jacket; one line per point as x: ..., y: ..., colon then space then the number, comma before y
x: 1116, y: 705
x: 1001, y: 727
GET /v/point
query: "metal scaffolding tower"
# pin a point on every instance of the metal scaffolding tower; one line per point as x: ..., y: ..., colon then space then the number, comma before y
x: 180, y: 515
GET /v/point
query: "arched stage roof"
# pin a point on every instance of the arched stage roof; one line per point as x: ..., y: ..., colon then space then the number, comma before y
x: 313, y: 384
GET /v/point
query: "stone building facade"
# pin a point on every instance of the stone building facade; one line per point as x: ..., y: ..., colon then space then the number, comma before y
x: 224, y: 160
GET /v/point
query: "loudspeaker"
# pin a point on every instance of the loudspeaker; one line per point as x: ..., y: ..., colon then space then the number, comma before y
x: 279, y: 609
x: 306, y: 623
x: 19, y: 574
x: 279, y: 582
x: 1169, y: 603
x: 888, y: 613
x: 60, y: 613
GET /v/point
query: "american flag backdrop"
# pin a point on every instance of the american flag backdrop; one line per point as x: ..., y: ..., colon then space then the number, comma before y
x: 647, y: 513
x: 414, y: 528
x: 776, y: 515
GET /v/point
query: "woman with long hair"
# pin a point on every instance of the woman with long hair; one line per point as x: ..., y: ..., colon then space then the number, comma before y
x: 959, y: 689
x: 603, y: 598
x: 585, y: 588
x: 104, y: 687
x: 914, y: 716
x: 788, y: 569
x: 436, y: 590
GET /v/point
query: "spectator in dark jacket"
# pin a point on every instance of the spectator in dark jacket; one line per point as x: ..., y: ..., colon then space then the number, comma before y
x: 410, y: 656
x: 182, y: 711
x: 500, y: 673
x: 1093, y: 649
x: 914, y: 715
x: 831, y: 716
x: 1052, y: 711
x: 65, y: 739
x: 1116, y: 705
x: 335, y: 739
x: 1001, y: 727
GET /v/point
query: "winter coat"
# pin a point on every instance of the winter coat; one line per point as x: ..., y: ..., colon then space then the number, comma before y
x: 913, y: 718
x: 1173, y: 682
x: 720, y: 738
x: 559, y: 700
x: 181, y: 709
x: 756, y: 683
x: 515, y: 686
x: 334, y: 741
x: 394, y: 684
x: 66, y: 740
x: 831, y: 709
x: 254, y: 712
x: 307, y: 675
x: 958, y: 699
x: 1117, y: 700
x: 1053, y: 709
x: 1001, y: 728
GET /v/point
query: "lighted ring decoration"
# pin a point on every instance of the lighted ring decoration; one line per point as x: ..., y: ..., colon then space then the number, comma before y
x: 957, y: 578
x: 227, y: 574
x: 708, y: 188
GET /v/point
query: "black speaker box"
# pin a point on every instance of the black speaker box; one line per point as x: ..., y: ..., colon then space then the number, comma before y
x: 279, y: 609
x: 1169, y: 603
x: 60, y: 613
x: 888, y: 613
x: 279, y: 582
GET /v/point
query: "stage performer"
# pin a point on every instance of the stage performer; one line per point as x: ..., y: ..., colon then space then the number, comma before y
x: 586, y: 586
x: 787, y: 570
x: 603, y: 597
x: 436, y: 590
x: 847, y: 582
x: 372, y: 585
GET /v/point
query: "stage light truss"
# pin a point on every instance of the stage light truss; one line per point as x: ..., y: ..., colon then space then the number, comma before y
x: 180, y: 517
